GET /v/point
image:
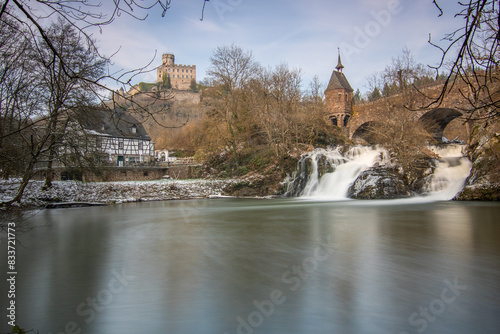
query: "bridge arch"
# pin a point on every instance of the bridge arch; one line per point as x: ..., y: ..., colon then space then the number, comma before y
x: 366, y: 132
x: 436, y: 120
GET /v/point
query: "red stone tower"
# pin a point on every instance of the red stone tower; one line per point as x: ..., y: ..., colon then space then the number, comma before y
x: 338, y: 98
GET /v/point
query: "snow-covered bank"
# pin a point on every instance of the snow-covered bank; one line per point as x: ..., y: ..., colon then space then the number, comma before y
x: 114, y: 192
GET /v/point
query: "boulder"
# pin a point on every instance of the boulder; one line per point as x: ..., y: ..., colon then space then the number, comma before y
x: 379, y: 183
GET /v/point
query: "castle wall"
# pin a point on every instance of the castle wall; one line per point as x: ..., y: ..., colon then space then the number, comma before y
x: 180, y: 75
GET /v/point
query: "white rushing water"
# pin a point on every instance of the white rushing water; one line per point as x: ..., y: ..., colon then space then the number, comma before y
x: 347, y: 167
x: 342, y: 169
x: 450, y: 174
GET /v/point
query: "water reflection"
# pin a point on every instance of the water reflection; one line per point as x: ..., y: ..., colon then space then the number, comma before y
x: 252, y: 266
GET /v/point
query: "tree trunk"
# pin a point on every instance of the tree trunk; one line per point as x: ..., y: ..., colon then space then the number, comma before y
x: 24, y: 183
x: 49, y: 176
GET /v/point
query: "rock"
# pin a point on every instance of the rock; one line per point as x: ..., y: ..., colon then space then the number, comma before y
x: 482, y: 192
x: 242, y: 189
x: 305, y: 168
x: 255, y: 185
x: 483, y: 183
x: 379, y: 183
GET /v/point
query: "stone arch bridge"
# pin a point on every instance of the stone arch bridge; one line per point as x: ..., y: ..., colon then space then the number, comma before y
x: 446, y: 120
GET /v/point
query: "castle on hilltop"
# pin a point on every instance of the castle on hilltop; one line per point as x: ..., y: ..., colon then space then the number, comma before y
x: 181, y: 76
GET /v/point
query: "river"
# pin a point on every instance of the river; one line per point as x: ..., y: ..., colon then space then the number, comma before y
x: 260, y: 266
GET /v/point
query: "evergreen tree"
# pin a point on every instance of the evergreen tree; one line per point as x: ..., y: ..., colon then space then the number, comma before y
x: 167, y: 84
x: 375, y: 94
x: 387, y: 90
x: 357, y: 96
x: 194, y: 86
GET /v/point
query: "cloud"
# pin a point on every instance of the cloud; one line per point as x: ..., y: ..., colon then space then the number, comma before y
x: 303, y: 34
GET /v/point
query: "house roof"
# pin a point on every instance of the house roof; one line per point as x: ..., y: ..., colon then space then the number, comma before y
x: 113, y: 123
x: 338, y: 81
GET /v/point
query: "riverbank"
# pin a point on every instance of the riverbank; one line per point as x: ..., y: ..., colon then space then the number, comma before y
x: 114, y: 192
x: 250, y: 185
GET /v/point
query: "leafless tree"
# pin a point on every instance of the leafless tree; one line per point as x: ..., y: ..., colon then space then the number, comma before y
x: 48, y: 70
x: 470, y: 56
x: 316, y: 90
x: 275, y: 100
x: 62, y: 94
x: 231, y: 68
x: 400, y: 132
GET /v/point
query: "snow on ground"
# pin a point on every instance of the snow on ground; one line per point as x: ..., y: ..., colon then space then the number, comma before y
x: 113, y: 192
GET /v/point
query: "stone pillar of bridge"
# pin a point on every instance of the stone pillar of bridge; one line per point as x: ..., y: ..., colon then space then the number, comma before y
x: 338, y: 98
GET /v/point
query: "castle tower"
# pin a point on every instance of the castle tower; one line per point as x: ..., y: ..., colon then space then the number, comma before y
x: 338, y: 97
x: 180, y: 76
x: 168, y: 59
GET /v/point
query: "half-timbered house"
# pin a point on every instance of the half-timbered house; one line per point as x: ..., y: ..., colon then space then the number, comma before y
x: 119, y: 137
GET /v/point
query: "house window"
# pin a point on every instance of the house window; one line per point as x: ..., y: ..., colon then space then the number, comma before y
x: 139, y: 145
x: 133, y: 128
x: 120, y: 145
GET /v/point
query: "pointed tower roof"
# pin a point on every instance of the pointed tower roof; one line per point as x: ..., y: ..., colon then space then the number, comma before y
x: 338, y: 79
x: 339, y: 64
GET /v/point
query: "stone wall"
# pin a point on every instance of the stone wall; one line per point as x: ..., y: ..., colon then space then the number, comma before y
x: 378, y: 109
x: 117, y: 174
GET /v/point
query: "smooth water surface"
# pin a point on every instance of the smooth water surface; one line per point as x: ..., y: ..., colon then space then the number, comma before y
x: 261, y: 266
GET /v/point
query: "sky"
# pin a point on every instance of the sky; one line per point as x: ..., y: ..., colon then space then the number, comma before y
x: 304, y: 34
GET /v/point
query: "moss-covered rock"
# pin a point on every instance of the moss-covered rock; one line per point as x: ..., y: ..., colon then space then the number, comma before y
x: 485, y: 192
x: 379, y: 183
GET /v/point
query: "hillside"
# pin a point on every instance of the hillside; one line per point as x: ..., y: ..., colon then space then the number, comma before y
x: 165, y: 113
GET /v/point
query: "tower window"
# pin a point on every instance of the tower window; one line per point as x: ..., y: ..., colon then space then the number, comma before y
x: 346, y: 120
x: 333, y: 119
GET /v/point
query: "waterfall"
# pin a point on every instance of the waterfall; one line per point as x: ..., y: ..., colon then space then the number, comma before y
x: 327, y: 174
x: 450, y: 174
